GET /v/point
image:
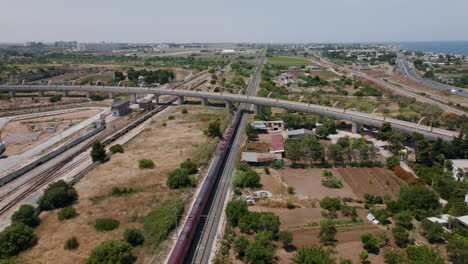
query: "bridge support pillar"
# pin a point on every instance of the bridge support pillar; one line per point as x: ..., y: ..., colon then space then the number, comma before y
x: 228, y: 104
x: 156, y: 99
x: 65, y: 93
x: 88, y: 94
x: 111, y: 96
x: 356, y: 127
x: 181, y: 100
x: 204, y: 102
x: 256, y: 109
x: 12, y: 93
x: 133, y: 99
x: 41, y: 93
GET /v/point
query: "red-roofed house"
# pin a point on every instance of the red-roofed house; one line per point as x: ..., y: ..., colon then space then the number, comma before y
x: 276, y: 142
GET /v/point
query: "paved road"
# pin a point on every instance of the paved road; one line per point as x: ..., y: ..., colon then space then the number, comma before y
x: 203, y: 249
x: 407, y: 69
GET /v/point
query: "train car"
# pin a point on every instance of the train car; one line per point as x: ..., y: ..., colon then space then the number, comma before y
x: 185, y: 239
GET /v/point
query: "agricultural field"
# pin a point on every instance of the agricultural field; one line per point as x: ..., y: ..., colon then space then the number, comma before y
x: 121, y: 189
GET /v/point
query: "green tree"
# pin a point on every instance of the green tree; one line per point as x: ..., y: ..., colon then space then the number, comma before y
x: 251, y: 132
x: 385, y: 132
x: 286, y: 237
x: 457, y: 250
x: 258, y: 254
x: 322, y: 131
x: 401, y: 236
x: 294, y: 149
x: 26, y: 215
x: 313, y: 255
x: 240, y: 245
x: 416, y: 197
x: 392, y: 256
x: 179, y: 178
x: 133, y: 236
x: 423, y: 255
x: 214, y: 129
x: 246, y: 179
x: 57, y: 195
x: 16, y: 238
x: 364, y: 256
x: 432, y: 231
x: 112, y: 251
x: 235, y: 210
x: 335, y: 152
x: 332, y: 204
x: 146, y: 164
x: 98, y: 153
x: 371, y: 243
x: 392, y: 161
x: 404, y: 219
x: 327, y: 231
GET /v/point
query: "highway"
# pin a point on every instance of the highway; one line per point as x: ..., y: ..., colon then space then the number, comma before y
x: 407, y: 70
x: 203, y: 248
x: 400, y: 90
x: 375, y: 120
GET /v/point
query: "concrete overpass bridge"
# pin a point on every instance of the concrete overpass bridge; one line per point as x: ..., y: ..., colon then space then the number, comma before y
x: 357, y: 118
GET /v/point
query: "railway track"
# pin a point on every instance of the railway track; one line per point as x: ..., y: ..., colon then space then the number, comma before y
x: 119, y: 128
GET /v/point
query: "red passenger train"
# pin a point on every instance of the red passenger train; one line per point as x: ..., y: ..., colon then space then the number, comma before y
x: 185, y: 239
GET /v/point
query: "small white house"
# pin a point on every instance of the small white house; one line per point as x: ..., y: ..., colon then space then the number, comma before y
x: 460, y: 169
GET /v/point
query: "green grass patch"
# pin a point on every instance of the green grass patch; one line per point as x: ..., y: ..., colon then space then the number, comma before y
x: 336, y: 222
x: 158, y: 223
x: 288, y: 60
x: 116, y: 191
x: 106, y: 224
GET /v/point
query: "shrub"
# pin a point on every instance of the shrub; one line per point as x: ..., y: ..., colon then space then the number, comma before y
x: 67, y: 213
x: 245, y: 179
x: 257, y: 253
x: 332, y: 182
x: 392, y: 161
x: 404, y: 219
x: 190, y: 166
x: 162, y: 220
x: 432, y: 231
x: 171, y: 117
x: 146, y: 164
x: 332, y: 204
x: 240, y: 245
x: 71, y: 243
x: 25, y: 215
x: 286, y: 237
x: 235, y: 210
x: 106, y: 224
x: 55, y: 98
x: 291, y: 190
x: 179, y: 178
x: 371, y: 243
x: 314, y: 255
x: 117, y: 148
x: 392, y: 256
x: 423, y: 254
x: 133, y: 236
x: 267, y: 171
x: 57, y: 195
x: 327, y: 231
x: 184, y: 111
x: 119, y: 191
x: 112, y: 251
x: 401, y: 236
x: 214, y: 129
x: 16, y: 238
x: 290, y: 205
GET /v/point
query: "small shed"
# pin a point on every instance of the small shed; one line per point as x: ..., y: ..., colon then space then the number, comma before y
x: 120, y: 107
x: 277, y: 145
x: 258, y: 158
x: 300, y: 133
x: 146, y: 104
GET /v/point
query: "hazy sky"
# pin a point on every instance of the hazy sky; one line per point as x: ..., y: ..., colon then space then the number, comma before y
x: 233, y: 21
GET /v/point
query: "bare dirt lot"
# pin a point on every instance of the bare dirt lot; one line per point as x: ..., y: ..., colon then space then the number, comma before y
x: 167, y: 146
x: 25, y: 134
x: 34, y: 101
x: 356, y: 182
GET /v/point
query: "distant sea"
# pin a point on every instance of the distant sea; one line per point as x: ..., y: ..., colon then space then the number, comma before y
x: 452, y: 47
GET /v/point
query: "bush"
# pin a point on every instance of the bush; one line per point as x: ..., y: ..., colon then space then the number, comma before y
x: 184, y: 111
x: 179, y: 178
x: 392, y: 256
x: 171, y: 117
x: 331, y: 204
x: 313, y: 255
x: 162, y: 220
x: 133, y: 236
x: 392, y: 161
x: 71, y: 243
x: 432, y: 231
x: 57, y: 195
x: 246, y: 179
x: 332, y: 182
x: 190, y: 166
x: 404, y: 219
x: 55, y: 98
x: 26, y: 215
x: 290, y: 205
x: 119, y: 191
x: 257, y: 253
x: 112, y: 251
x: 117, y: 148
x: 371, y: 243
x: 240, y: 245
x: 401, y: 236
x: 286, y: 237
x: 106, y: 224
x: 214, y: 129
x: 423, y: 254
x: 67, y: 213
x: 291, y: 190
x: 16, y: 238
x: 327, y: 231
x: 146, y: 164
x: 235, y: 210
x: 457, y: 250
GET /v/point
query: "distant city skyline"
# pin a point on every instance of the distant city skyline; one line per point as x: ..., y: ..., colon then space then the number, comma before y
x: 208, y: 21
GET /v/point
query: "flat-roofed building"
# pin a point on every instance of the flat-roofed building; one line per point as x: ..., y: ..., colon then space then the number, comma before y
x: 120, y: 107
